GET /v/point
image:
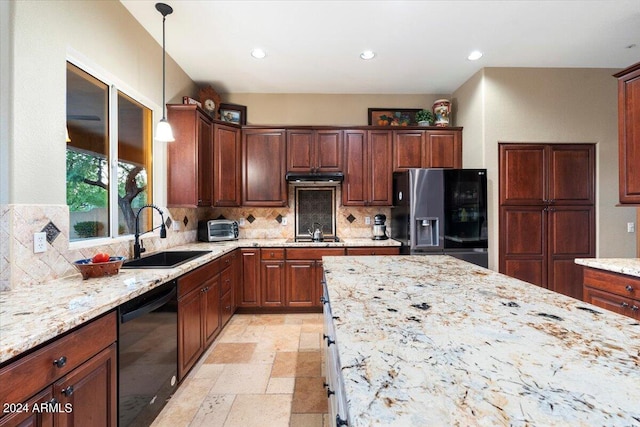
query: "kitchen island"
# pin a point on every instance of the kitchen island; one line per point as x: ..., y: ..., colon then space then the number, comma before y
x: 431, y: 340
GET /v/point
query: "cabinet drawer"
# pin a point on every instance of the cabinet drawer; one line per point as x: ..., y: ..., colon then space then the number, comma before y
x: 226, y: 260
x: 313, y: 253
x: 32, y: 373
x: 619, y: 284
x: 373, y: 251
x: 226, y: 307
x: 194, y: 279
x: 270, y: 253
x: 612, y: 302
x: 226, y: 281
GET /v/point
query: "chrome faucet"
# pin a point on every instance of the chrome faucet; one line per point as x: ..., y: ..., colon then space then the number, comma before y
x: 137, y: 249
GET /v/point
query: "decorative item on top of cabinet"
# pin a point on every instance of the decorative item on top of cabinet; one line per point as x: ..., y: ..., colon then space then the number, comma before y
x: 189, y: 157
x: 210, y: 101
x: 264, y: 167
x: 233, y: 113
x: 432, y: 148
x: 314, y: 151
x: 629, y: 134
x: 442, y: 111
x: 227, y: 164
x: 367, y: 168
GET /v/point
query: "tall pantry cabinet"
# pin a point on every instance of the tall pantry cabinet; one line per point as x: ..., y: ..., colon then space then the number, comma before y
x: 547, y: 213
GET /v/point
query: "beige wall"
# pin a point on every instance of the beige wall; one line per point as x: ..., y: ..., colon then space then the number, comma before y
x: 321, y: 109
x: 548, y: 105
x: 105, y: 35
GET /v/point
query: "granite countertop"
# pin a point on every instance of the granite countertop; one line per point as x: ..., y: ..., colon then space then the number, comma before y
x: 432, y: 340
x: 630, y: 266
x: 33, y: 315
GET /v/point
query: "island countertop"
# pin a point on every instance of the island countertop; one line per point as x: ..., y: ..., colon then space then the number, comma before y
x: 630, y: 266
x: 432, y: 340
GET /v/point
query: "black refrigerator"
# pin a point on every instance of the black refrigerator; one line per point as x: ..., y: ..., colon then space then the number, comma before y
x: 441, y: 211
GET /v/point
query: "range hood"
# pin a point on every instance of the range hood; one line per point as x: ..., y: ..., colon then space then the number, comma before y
x: 307, y: 177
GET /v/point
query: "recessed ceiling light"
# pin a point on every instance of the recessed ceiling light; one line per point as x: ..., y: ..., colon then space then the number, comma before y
x: 475, y: 55
x: 258, y: 53
x: 367, y: 54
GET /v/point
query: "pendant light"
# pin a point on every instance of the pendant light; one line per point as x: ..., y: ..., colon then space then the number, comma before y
x: 164, y: 133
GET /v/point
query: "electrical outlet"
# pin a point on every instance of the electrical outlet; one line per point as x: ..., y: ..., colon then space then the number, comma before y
x: 39, y: 242
x: 241, y: 222
x: 284, y: 220
x: 631, y: 227
x: 367, y: 220
x: 175, y: 226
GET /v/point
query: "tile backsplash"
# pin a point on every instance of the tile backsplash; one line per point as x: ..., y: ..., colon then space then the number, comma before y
x: 19, y: 266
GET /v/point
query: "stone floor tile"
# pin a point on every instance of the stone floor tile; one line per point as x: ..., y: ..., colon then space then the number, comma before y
x: 214, y: 411
x: 309, y: 396
x: 308, y: 364
x: 231, y: 353
x: 309, y: 341
x: 273, y: 410
x: 242, y: 379
x: 306, y: 420
x: 281, y: 385
x: 284, y: 364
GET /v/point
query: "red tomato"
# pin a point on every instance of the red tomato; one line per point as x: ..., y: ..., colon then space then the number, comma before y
x: 101, y: 257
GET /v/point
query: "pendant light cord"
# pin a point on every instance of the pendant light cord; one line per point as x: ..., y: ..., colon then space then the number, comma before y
x: 164, y: 54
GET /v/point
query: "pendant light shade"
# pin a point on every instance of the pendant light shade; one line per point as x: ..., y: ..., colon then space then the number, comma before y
x: 164, y: 133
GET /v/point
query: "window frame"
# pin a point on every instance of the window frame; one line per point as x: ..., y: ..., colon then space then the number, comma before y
x: 115, y: 86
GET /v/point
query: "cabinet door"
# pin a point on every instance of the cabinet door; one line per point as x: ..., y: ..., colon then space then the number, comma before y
x: 300, y: 150
x: 407, y: 149
x: 91, y: 392
x: 301, y: 287
x: 227, y: 163
x: 355, y: 186
x: 608, y: 301
x: 380, y: 154
x: 571, y: 174
x: 442, y: 149
x: 272, y: 284
x: 205, y: 162
x: 328, y: 151
x: 264, y: 168
x: 190, y: 336
x: 248, y: 288
x: 523, y: 241
x: 212, y: 310
x: 29, y: 417
x: 571, y: 235
x: 523, y: 171
x: 629, y: 134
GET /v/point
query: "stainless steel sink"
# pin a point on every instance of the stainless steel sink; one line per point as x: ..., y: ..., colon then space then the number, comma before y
x: 166, y: 259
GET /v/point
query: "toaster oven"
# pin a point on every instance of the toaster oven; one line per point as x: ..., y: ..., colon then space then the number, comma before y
x: 217, y: 230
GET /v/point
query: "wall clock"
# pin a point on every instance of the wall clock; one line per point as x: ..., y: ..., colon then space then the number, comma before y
x: 210, y: 101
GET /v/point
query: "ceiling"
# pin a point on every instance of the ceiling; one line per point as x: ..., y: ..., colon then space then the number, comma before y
x: 421, y: 46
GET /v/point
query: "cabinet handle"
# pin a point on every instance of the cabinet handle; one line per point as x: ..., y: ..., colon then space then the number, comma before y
x: 67, y: 391
x: 635, y: 307
x: 340, y: 421
x: 330, y: 341
x: 53, y: 401
x: 323, y: 299
x: 60, y: 362
x: 624, y: 304
x: 629, y: 288
x: 330, y: 392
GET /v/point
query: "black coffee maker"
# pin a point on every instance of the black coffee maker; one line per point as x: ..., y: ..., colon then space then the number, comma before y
x: 379, y: 228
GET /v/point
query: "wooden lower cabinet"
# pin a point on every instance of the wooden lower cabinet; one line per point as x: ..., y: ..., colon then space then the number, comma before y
x: 374, y: 250
x: 272, y: 278
x: 304, y: 275
x: 248, y: 287
x: 612, y: 291
x: 75, y: 375
x: 199, y: 314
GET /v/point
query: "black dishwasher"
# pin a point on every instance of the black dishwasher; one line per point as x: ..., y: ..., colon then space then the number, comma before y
x: 147, y: 354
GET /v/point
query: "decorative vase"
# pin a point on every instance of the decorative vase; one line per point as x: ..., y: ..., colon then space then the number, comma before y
x: 442, y: 110
x: 424, y: 123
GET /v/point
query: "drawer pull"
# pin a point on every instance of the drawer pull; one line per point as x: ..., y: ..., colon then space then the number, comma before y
x: 323, y: 300
x: 340, y: 421
x: 629, y: 288
x: 60, y: 362
x: 330, y: 341
x: 68, y: 391
x: 635, y: 307
x: 330, y: 392
x: 53, y: 401
x: 624, y: 304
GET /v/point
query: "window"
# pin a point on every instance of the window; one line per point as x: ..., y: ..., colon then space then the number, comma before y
x: 109, y: 135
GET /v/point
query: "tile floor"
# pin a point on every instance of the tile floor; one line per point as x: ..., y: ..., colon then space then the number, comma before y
x: 263, y: 370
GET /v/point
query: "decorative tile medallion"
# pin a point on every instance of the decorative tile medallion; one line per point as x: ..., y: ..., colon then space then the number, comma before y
x: 168, y: 222
x: 251, y: 218
x: 185, y: 220
x: 351, y: 218
x: 52, y: 232
x: 279, y: 219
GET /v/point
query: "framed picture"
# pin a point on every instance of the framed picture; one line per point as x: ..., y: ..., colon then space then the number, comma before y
x: 393, y: 116
x: 233, y: 113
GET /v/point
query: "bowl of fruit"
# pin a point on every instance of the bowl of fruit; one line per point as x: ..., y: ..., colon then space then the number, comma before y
x: 100, y: 265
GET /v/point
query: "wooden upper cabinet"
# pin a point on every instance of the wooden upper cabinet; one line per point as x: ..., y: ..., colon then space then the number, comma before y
x: 264, y: 167
x: 443, y: 149
x: 189, y: 157
x: 380, y: 152
x: 629, y: 134
x: 547, y: 174
x: 354, y: 187
x: 427, y: 149
x: 314, y: 150
x: 227, y: 165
